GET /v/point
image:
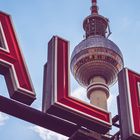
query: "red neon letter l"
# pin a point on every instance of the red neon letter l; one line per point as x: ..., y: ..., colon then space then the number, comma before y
x: 12, y: 64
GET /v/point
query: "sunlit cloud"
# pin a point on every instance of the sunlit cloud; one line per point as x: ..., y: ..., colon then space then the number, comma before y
x: 47, y: 134
x: 80, y: 93
x: 3, y: 118
x: 112, y: 100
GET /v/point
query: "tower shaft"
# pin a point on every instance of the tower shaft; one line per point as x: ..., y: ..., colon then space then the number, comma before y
x: 98, y: 92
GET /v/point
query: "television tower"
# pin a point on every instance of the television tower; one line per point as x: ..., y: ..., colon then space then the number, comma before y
x: 96, y: 60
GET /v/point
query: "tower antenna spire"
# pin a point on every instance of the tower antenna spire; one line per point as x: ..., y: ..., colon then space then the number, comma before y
x: 94, y: 7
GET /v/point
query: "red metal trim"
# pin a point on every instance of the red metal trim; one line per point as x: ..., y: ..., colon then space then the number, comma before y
x: 128, y: 104
x: 85, y: 108
x: 63, y: 85
x: 56, y: 92
x: 12, y: 65
x: 133, y: 83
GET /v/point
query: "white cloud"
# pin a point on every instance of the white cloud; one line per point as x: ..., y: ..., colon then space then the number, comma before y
x: 47, y: 134
x: 80, y: 93
x: 112, y: 101
x: 3, y: 118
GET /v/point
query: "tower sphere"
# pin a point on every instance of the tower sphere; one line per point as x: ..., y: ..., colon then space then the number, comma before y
x: 96, y: 56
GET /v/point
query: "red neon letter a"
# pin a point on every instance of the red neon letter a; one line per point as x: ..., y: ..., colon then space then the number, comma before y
x: 12, y: 64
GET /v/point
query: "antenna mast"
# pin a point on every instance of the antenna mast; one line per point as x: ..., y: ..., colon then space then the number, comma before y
x: 94, y: 7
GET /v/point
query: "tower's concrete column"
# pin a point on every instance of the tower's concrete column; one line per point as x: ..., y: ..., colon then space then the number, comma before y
x: 98, y: 92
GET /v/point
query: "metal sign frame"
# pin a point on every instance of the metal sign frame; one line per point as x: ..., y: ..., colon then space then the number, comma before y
x: 57, y: 100
x: 128, y: 104
x: 12, y: 64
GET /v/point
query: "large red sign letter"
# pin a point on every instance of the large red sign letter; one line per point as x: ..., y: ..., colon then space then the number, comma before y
x: 12, y: 64
x: 57, y: 100
x: 129, y: 104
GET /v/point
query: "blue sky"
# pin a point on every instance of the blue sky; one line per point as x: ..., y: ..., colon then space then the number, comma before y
x: 36, y: 21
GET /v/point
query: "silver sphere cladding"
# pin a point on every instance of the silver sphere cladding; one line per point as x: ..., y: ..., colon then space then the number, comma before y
x: 96, y: 56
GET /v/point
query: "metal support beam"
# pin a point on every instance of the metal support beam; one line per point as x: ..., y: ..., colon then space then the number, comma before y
x: 83, y: 134
x: 50, y: 122
x: 116, y: 136
x: 115, y: 119
x: 37, y: 117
